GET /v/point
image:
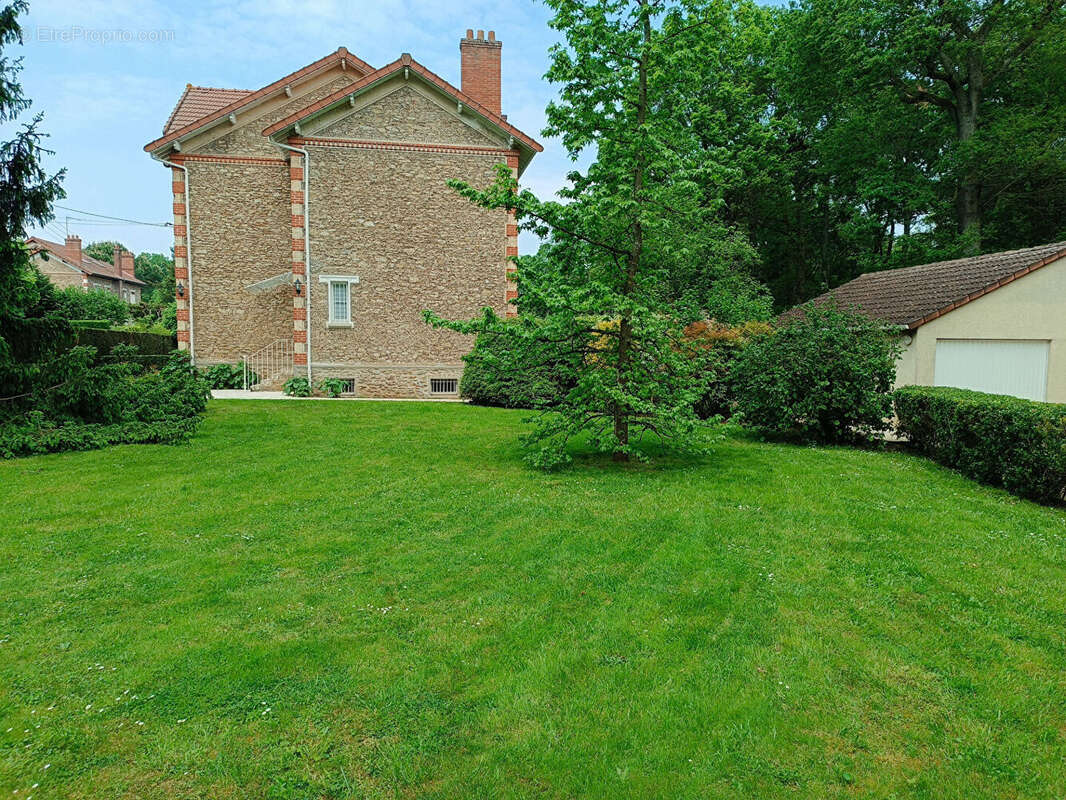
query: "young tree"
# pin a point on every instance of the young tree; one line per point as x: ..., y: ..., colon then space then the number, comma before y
x: 30, y: 328
x: 597, y: 295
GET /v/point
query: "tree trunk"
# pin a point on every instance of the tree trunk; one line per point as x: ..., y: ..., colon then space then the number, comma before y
x: 625, y: 328
x: 968, y: 208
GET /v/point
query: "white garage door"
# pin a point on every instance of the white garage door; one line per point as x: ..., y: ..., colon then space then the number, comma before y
x: 1001, y: 366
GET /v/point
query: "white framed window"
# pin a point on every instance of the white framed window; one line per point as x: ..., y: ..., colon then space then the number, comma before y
x: 340, y: 305
x: 339, y: 298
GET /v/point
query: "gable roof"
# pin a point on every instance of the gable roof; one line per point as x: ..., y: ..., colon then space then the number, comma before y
x: 196, y: 102
x: 406, y: 62
x: 913, y: 296
x: 172, y: 133
x: 88, y: 264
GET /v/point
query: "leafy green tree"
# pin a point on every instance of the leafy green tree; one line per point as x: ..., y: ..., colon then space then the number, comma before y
x: 103, y: 251
x: 157, y: 271
x: 960, y: 62
x: 30, y: 325
x: 598, y: 294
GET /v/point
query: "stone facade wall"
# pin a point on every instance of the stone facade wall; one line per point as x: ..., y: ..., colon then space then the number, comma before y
x: 406, y: 116
x: 240, y: 235
x: 60, y: 274
x: 387, y: 217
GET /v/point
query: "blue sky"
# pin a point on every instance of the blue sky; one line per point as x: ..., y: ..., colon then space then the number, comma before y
x: 107, y: 73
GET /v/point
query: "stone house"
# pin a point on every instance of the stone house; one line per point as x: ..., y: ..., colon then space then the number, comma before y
x: 312, y: 218
x: 66, y: 265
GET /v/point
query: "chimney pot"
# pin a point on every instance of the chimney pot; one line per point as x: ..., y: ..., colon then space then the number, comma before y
x: 126, y: 268
x: 469, y: 33
x: 116, y: 257
x: 72, y: 250
x: 480, y: 62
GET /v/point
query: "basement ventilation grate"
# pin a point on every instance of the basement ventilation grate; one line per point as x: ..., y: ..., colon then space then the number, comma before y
x: 443, y: 385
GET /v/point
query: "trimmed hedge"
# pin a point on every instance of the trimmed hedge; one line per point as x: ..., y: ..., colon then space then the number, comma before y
x: 498, y: 373
x: 147, y: 344
x: 1017, y: 444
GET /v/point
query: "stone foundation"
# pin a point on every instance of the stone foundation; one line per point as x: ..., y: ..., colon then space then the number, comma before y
x: 403, y: 380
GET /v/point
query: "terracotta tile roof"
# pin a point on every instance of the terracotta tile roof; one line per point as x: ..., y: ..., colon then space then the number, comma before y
x: 913, y: 296
x: 405, y: 61
x: 88, y: 264
x: 197, y: 102
x: 341, y: 55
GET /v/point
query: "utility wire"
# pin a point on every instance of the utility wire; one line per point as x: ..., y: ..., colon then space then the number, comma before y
x: 118, y: 219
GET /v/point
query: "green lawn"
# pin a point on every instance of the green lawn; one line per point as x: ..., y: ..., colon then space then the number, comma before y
x: 326, y: 600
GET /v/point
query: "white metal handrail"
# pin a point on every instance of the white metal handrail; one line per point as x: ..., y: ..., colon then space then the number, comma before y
x: 270, y: 365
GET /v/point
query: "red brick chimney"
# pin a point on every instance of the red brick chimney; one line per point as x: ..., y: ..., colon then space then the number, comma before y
x: 72, y: 250
x: 126, y: 265
x: 116, y: 257
x: 480, y: 59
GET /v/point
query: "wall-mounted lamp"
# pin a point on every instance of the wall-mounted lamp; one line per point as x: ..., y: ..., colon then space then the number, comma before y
x: 298, y: 286
x: 181, y: 289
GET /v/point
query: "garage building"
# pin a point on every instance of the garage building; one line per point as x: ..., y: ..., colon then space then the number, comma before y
x: 995, y: 323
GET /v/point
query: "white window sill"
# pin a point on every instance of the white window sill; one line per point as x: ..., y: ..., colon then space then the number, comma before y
x: 340, y: 325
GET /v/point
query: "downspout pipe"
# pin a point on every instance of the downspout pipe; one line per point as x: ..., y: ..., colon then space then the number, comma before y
x: 307, y: 246
x: 188, y: 254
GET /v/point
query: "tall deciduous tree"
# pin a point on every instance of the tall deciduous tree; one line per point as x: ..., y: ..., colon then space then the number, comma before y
x: 29, y: 324
x: 954, y: 57
x: 601, y: 294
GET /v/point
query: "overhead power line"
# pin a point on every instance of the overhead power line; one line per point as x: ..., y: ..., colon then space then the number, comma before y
x: 117, y: 219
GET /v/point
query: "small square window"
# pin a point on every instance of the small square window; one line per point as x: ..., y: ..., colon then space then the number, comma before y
x: 348, y: 385
x: 443, y: 385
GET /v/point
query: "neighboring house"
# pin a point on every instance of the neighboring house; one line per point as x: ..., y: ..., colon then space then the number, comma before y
x: 66, y: 265
x: 995, y: 323
x: 312, y: 218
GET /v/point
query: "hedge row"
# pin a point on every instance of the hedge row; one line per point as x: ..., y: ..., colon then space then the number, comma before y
x: 147, y: 344
x: 1003, y: 441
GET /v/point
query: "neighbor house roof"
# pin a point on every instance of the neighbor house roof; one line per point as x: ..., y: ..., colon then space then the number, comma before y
x: 406, y: 62
x: 173, y: 132
x: 88, y: 264
x: 913, y: 296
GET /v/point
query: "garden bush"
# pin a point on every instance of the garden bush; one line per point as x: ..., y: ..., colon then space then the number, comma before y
x: 297, y: 387
x: 1017, y: 444
x: 76, y: 303
x: 227, y: 376
x: 723, y: 345
x: 147, y: 344
x: 497, y: 375
x: 331, y: 387
x: 83, y: 403
x: 826, y: 376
